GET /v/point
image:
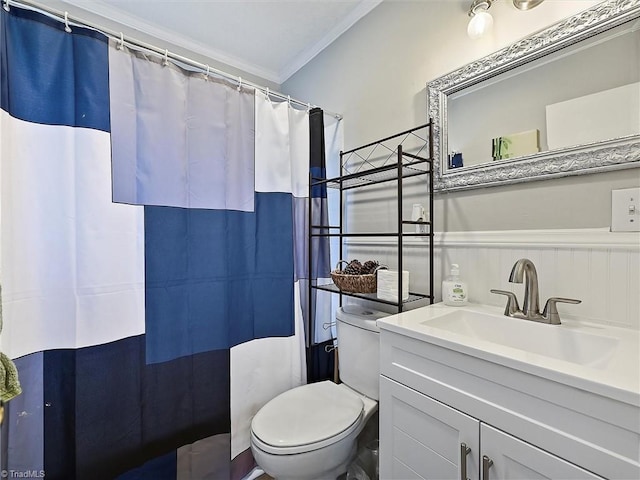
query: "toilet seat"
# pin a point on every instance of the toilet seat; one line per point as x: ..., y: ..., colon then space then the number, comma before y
x: 315, y: 415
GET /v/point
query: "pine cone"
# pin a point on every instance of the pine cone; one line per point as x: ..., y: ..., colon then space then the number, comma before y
x: 353, y: 268
x: 369, y: 267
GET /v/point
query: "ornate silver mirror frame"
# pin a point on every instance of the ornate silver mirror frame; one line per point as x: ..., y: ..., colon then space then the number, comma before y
x: 591, y: 158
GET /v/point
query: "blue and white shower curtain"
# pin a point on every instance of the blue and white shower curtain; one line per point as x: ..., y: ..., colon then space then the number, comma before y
x: 152, y: 248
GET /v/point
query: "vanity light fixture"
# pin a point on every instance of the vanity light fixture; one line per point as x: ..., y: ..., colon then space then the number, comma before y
x: 481, y: 20
x: 526, y: 4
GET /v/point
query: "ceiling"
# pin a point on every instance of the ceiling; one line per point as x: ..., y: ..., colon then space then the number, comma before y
x: 269, y: 38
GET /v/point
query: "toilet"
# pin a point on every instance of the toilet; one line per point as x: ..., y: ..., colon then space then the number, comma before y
x: 310, y: 432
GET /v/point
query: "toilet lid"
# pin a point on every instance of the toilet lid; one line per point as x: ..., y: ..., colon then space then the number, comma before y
x: 307, y: 415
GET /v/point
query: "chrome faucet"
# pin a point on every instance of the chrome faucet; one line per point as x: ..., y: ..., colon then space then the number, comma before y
x: 525, y: 269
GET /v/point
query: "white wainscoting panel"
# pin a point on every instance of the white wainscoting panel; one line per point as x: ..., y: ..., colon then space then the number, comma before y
x: 596, y: 266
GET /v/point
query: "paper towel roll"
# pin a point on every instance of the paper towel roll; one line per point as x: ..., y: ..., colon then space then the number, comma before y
x: 388, y: 285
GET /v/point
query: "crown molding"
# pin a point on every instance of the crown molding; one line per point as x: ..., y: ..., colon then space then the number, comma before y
x: 114, y: 14
x: 363, y: 8
x: 111, y: 13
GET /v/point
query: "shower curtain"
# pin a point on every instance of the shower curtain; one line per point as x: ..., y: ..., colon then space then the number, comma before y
x: 150, y: 226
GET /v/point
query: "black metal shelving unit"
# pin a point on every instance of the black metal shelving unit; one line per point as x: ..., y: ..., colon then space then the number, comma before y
x: 396, y: 165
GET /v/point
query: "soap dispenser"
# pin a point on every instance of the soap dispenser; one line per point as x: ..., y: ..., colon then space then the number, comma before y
x: 454, y: 290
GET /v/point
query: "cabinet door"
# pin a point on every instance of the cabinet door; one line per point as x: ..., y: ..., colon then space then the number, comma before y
x: 514, y: 459
x: 421, y: 438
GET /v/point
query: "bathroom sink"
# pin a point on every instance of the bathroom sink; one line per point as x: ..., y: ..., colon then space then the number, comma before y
x: 562, y: 342
x: 591, y: 356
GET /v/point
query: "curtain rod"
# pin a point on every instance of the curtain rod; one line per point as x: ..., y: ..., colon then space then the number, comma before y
x: 164, y: 53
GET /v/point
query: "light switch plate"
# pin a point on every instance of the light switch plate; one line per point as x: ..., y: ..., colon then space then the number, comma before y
x: 625, y: 210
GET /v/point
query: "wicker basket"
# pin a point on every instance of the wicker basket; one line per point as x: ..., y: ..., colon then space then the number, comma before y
x: 354, y: 283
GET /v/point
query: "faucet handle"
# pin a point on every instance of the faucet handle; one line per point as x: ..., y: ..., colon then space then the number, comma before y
x: 512, y: 302
x: 550, y: 311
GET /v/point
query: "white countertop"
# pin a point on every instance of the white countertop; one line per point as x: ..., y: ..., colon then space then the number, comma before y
x: 615, y: 375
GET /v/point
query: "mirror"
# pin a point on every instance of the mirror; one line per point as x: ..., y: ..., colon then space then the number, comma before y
x: 564, y: 101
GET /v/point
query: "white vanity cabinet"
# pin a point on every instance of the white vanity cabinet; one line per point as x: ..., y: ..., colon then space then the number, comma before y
x: 421, y: 438
x: 504, y: 456
x: 435, y: 397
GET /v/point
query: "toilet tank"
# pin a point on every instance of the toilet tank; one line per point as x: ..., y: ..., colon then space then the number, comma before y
x: 359, y: 348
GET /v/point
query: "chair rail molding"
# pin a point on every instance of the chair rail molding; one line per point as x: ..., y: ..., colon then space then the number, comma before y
x: 593, y: 238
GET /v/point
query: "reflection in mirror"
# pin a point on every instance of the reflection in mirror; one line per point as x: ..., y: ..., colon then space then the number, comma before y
x: 585, y: 93
x: 563, y: 101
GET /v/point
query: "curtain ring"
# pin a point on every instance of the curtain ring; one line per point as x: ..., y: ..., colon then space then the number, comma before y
x: 120, y: 45
x: 165, y: 62
x: 67, y: 28
x: 207, y: 73
x: 5, y: 5
x: 239, y: 83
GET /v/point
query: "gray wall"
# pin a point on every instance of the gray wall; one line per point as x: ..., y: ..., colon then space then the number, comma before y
x: 376, y: 75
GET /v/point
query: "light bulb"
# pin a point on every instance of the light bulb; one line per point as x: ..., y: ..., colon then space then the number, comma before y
x: 480, y: 23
